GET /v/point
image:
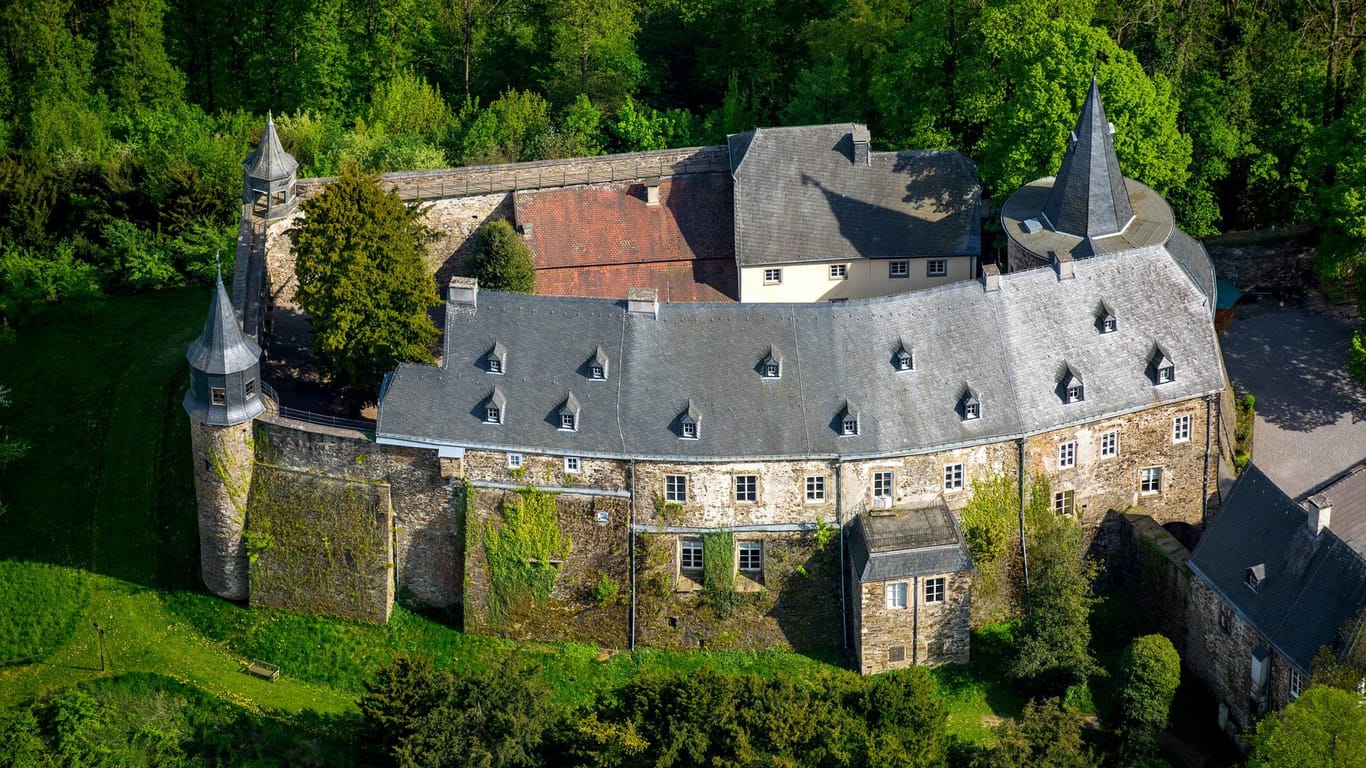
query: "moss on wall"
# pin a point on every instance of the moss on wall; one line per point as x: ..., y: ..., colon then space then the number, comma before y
x: 524, y: 550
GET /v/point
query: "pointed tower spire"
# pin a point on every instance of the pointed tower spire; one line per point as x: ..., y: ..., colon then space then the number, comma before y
x: 1089, y: 198
x: 270, y: 174
x: 224, y: 368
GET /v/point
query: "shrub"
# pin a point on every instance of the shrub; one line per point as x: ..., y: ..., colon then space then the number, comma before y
x: 501, y: 261
x: 606, y: 591
x: 1150, y: 672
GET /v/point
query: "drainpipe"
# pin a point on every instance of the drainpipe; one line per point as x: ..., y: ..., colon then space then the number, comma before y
x: 1204, y: 482
x: 1024, y: 551
x: 915, y: 621
x: 839, y: 520
x: 631, y: 550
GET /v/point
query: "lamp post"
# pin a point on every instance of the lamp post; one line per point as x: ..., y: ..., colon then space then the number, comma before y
x: 100, y: 641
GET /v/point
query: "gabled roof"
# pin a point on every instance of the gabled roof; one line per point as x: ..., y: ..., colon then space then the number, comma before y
x: 270, y: 161
x: 799, y: 196
x: 1347, y: 495
x: 1311, y: 585
x: 1009, y: 343
x: 1089, y: 198
x: 913, y: 542
x: 222, y: 348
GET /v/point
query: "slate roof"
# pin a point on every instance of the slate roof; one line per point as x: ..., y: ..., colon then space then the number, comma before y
x: 913, y: 542
x: 1312, y: 584
x: 799, y: 196
x: 270, y: 161
x: 1008, y: 345
x: 222, y: 348
x: 1347, y: 494
x: 1088, y: 198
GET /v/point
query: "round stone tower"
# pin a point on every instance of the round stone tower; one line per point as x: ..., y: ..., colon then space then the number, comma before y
x: 224, y: 398
x: 269, y: 176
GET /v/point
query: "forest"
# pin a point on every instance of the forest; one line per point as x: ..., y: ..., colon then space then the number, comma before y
x: 123, y: 123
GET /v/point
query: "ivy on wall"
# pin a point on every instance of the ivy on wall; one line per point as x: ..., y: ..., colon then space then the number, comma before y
x: 718, y: 572
x: 524, y: 550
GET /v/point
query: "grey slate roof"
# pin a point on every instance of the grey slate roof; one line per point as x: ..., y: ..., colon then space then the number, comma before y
x: 1008, y: 345
x: 1348, y: 497
x: 916, y: 542
x: 1088, y: 198
x: 800, y: 196
x: 270, y: 161
x: 222, y: 348
x: 1312, y: 584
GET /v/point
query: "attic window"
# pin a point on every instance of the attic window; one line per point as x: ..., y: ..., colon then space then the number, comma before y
x: 903, y: 360
x: 849, y: 427
x: 1255, y: 576
x: 496, y: 359
x: 568, y: 421
x: 972, y: 408
x: 771, y: 367
x: 689, y: 431
x: 569, y: 414
x: 597, y: 366
x: 1163, y: 369
x: 1073, y: 391
x: 1108, y: 324
x: 849, y: 420
x: 689, y: 423
x: 495, y: 407
x: 1166, y: 374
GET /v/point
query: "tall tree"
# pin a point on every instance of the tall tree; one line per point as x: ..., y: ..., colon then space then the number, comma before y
x: 137, y: 70
x: 593, y: 50
x: 363, y: 280
x: 1150, y: 673
x: 1325, y: 727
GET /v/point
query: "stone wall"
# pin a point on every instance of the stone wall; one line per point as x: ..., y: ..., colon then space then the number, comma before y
x: 223, y: 469
x: 893, y: 638
x: 918, y: 481
x: 1272, y: 261
x: 1151, y: 565
x: 428, y: 540
x: 545, y: 471
x: 711, y: 503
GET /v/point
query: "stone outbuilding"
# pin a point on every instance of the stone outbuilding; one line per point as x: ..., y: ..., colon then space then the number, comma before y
x: 910, y: 576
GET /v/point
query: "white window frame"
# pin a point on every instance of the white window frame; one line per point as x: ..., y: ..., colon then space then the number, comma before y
x: 1067, y: 455
x: 752, y: 551
x: 596, y: 372
x: 746, y: 489
x: 568, y: 423
x: 839, y: 271
x: 218, y: 395
x: 936, y: 268
x: 515, y: 460
x: 1181, y: 429
x: 884, y: 484
x: 849, y: 426
x: 493, y: 414
x: 896, y: 595
x: 815, y: 489
x: 495, y: 365
x: 773, y: 276
x: 772, y: 370
x: 953, y: 477
x: 676, y: 489
x: 689, y: 431
x: 1076, y: 393
x: 1150, y: 481
x: 1065, y: 502
x: 1295, y: 684
x: 572, y: 465
x: 1109, y: 444
x: 249, y: 389
x: 936, y: 589
x: 898, y: 269
x: 1166, y: 374
x: 690, y: 555
x: 1109, y: 324
x: 972, y: 411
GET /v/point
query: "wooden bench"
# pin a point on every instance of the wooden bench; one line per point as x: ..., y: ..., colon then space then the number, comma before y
x: 263, y: 670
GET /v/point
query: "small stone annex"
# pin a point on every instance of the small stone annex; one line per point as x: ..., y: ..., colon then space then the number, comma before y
x: 637, y: 472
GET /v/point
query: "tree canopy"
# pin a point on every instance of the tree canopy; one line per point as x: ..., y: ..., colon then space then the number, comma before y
x: 360, y: 259
x: 500, y: 260
x: 1325, y: 727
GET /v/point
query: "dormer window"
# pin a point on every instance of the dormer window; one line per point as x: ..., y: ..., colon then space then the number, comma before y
x: 849, y: 420
x: 1255, y: 576
x: 689, y: 423
x: 495, y: 407
x: 496, y: 359
x: 972, y: 408
x: 771, y: 367
x: 569, y: 414
x: 903, y: 359
x: 1105, y: 319
x: 1073, y: 391
x: 1162, y: 369
x: 597, y: 366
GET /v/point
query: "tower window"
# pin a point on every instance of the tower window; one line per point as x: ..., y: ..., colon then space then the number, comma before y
x: 218, y: 395
x: 249, y: 391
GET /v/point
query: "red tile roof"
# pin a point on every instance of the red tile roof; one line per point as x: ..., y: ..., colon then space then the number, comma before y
x: 680, y: 281
x: 606, y: 224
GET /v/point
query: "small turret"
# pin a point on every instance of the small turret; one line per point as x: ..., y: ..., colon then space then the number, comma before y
x: 1088, y: 198
x: 224, y: 369
x: 269, y: 176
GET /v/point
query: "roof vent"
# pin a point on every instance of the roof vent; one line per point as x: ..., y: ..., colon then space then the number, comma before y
x: 528, y: 231
x: 1030, y: 226
x: 652, y: 191
x: 643, y: 301
x: 991, y: 277
x: 463, y: 291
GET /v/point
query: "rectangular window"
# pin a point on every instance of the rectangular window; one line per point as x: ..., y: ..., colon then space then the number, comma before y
x: 1181, y: 429
x: 493, y: 415
x: 1109, y: 444
x: 773, y: 276
x: 898, y: 269
x: 746, y: 488
x: 571, y: 464
x: 690, y: 555
x: 936, y: 268
x: 882, y: 485
x: 1062, y: 503
x: 689, y: 431
x: 751, y: 556
x: 953, y: 477
x: 567, y: 421
x: 218, y: 395
x: 514, y: 461
x: 495, y: 365
x: 896, y: 594
x: 676, y: 488
x: 1225, y: 619
x: 596, y: 372
x: 896, y: 653
x: 839, y: 271
x: 1294, y: 684
x: 1067, y: 455
x: 934, y: 590
x: 250, y: 389
x: 815, y: 488
x: 1150, y: 481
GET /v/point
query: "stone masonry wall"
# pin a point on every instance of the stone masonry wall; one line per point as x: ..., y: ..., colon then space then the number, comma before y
x: 1151, y: 565
x: 545, y: 471
x: 781, y: 493
x: 919, y: 633
x: 222, y: 482
x: 919, y: 482
x: 428, y: 542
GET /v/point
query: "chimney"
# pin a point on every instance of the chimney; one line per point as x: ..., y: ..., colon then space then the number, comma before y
x: 652, y: 191
x: 861, y: 152
x: 991, y: 277
x: 1320, y: 511
x: 1062, y: 262
x: 464, y: 291
x: 527, y: 230
x: 643, y: 301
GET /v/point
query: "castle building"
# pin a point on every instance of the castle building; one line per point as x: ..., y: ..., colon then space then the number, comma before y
x: 759, y: 474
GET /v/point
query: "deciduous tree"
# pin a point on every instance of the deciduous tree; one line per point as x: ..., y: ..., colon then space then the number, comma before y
x: 1150, y: 673
x: 1325, y: 727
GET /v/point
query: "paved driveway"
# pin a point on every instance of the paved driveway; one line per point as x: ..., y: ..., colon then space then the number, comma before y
x: 1311, y: 416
